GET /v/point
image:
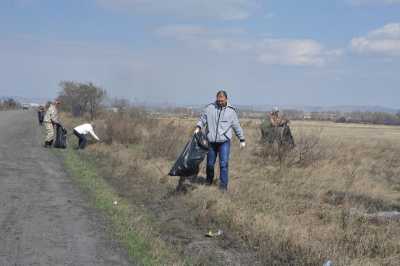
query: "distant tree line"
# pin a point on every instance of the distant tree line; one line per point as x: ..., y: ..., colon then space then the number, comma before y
x: 179, y: 111
x: 378, y: 118
x: 9, y: 104
x: 86, y: 98
x: 81, y: 98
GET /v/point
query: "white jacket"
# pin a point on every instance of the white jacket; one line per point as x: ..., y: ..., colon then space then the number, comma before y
x: 220, y: 122
x: 86, y: 129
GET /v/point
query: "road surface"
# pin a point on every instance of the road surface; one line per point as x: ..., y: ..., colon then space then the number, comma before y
x: 44, y: 218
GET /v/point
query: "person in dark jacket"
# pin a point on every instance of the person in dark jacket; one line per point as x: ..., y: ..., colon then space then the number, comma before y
x: 41, y: 112
x: 219, y: 120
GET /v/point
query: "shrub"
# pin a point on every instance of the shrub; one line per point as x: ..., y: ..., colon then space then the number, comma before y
x: 308, y: 150
x: 125, y: 127
x: 165, y: 141
x: 159, y: 138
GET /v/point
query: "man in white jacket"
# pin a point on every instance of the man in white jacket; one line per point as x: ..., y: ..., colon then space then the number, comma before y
x: 81, y: 132
x: 220, y: 120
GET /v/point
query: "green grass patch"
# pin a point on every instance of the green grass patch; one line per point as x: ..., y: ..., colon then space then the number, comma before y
x: 128, y: 223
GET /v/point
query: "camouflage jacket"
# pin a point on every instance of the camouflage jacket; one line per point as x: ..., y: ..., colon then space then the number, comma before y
x: 277, y: 121
x: 51, y: 115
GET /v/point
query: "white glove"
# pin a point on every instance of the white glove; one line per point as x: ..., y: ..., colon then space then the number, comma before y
x: 242, y: 145
x: 197, y: 130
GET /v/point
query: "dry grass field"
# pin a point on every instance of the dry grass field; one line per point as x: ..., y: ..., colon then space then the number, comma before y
x: 303, y: 207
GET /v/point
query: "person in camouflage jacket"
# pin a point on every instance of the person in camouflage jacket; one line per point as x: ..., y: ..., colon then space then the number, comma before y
x: 50, y: 119
x: 275, y: 129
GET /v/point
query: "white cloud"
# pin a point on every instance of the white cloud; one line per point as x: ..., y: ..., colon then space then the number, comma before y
x: 216, y: 9
x: 384, y: 41
x: 373, y: 2
x: 229, y: 45
x: 389, y: 31
x: 272, y: 51
x: 183, y: 32
x: 298, y: 52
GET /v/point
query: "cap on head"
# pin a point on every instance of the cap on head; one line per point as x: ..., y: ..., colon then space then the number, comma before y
x: 275, y: 111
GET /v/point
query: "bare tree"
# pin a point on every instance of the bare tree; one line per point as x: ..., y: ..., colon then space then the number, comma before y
x: 95, y: 96
x: 80, y: 98
x: 120, y: 104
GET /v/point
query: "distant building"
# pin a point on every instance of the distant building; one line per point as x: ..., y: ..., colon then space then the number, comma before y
x: 307, y: 116
x: 112, y: 109
x: 324, y: 116
x: 34, y: 105
x: 27, y: 106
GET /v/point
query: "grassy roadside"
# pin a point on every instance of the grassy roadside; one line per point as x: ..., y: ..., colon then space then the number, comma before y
x: 129, y: 224
x: 299, y: 213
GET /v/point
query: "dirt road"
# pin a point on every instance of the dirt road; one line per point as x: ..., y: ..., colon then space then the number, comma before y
x: 44, y: 219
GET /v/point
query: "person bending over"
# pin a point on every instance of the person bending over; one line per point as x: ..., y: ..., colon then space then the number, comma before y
x: 81, y: 132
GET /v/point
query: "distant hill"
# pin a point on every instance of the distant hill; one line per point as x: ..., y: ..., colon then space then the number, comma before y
x: 256, y: 108
x: 305, y: 108
x: 338, y: 108
x: 350, y: 108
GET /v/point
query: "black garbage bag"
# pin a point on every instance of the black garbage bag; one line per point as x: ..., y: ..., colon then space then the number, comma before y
x: 188, y: 163
x: 61, y: 137
x: 287, y: 137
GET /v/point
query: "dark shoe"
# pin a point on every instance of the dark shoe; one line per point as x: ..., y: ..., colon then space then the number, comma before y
x: 223, y: 189
x: 47, y: 144
x: 181, y: 187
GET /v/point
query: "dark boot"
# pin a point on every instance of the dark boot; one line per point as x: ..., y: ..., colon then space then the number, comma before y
x: 181, y: 185
x: 210, y: 175
x: 48, y: 144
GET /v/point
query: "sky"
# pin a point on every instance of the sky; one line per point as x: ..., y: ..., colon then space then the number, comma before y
x: 263, y: 52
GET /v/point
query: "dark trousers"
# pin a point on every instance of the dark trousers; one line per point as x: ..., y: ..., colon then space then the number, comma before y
x: 41, y: 117
x: 82, y: 140
x: 222, y: 150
